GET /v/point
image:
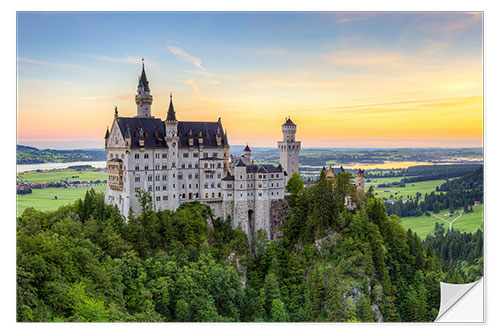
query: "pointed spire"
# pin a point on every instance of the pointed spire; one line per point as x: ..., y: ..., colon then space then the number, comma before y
x: 143, y: 80
x: 171, y: 111
x: 116, y: 111
x: 247, y: 148
x: 107, y: 133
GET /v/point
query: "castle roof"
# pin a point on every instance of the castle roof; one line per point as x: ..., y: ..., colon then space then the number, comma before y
x: 171, y: 111
x: 228, y: 177
x: 143, y: 80
x: 289, y: 122
x: 247, y: 148
x: 107, y: 133
x: 200, y: 129
x: 153, y: 131
x: 263, y: 168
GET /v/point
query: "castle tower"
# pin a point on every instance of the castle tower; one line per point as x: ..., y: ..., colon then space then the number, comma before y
x: 143, y: 99
x: 360, y: 180
x: 289, y: 148
x: 171, y: 122
x: 247, y: 154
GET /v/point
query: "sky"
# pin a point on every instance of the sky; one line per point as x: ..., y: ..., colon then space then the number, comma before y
x: 347, y: 79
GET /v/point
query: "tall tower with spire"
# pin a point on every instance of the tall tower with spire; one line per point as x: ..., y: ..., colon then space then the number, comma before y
x: 143, y: 99
x: 289, y: 148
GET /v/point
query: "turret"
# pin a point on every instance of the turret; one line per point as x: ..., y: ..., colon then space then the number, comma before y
x: 289, y: 148
x: 143, y: 99
x: 289, y: 129
x: 360, y: 180
x: 171, y: 121
x: 247, y: 154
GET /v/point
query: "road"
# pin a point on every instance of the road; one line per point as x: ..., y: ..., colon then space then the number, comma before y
x: 450, y: 223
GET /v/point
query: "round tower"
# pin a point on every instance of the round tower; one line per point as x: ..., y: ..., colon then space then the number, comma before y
x: 247, y: 154
x: 143, y: 99
x: 289, y: 148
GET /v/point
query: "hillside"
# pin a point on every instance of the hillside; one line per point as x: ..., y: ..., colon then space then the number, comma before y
x: 31, y: 155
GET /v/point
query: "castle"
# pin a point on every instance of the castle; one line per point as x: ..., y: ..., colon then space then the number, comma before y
x: 182, y: 161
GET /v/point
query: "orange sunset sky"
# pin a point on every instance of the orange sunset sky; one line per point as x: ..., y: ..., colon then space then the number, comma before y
x: 346, y: 79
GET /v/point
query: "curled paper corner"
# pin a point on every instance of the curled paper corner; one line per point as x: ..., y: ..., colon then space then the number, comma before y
x: 462, y: 303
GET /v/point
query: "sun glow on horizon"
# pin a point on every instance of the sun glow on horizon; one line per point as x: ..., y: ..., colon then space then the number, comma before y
x: 416, y: 86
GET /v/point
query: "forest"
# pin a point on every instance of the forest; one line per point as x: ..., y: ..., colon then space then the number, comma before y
x: 83, y: 262
x: 456, y: 194
x: 32, y: 155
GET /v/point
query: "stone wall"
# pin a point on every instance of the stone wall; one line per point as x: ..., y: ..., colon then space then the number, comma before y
x: 278, y: 211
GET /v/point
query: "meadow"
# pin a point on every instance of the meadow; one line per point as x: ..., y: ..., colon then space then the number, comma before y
x: 44, y: 199
x: 424, y: 225
x: 409, y: 191
x: 47, y: 176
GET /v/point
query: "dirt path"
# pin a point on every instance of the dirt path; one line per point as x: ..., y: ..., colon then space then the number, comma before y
x: 450, y: 223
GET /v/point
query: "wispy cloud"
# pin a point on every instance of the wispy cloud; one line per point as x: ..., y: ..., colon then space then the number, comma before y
x: 47, y: 63
x: 196, y: 92
x: 186, y: 56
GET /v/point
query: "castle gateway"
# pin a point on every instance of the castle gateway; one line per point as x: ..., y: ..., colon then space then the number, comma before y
x: 183, y: 161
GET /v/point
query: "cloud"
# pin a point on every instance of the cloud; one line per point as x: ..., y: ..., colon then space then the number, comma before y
x: 186, y: 56
x: 46, y: 63
x: 196, y: 92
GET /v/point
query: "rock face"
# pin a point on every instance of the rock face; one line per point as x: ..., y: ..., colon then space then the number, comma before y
x: 278, y: 211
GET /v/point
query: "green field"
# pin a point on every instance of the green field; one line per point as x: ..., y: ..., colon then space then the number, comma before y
x: 43, y: 199
x: 48, y: 176
x: 402, y: 192
x: 424, y: 225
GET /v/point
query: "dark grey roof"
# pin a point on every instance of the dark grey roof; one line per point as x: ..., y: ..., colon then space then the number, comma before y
x: 289, y: 122
x: 115, y: 160
x: 171, y: 111
x: 240, y: 163
x: 143, y: 80
x: 107, y: 133
x: 207, y: 130
x: 247, y: 148
x: 153, y: 131
x: 263, y: 168
x: 228, y: 177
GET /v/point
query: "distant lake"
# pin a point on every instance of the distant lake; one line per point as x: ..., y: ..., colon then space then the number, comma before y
x: 394, y: 164
x: 50, y: 166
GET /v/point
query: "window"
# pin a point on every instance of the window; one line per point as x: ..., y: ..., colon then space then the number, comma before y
x: 158, y: 198
x: 205, y: 154
x: 137, y: 179
x: 157, y: 188
x: 180, y: 176
x: 218, y: 185
x: 190, y: 165
x: 196, y: 155
x: 165, y: 197
x: 213, y: 195
x: 260, y: 194
x: 190, y: 176
x: 157, y: 167
x: 136, y: 168
x: 206, y: 195
x: 136, y: 156
x: 157, y: 155
x: 220, y: 195
x: 183, y: 166
x: 164, y: 167
x: 150, y: 188
x: 164, y: 177
x: 185, y: 155
x: 196, y: 176
x: 219, y: 176
x: 214, y: 154
x: 150, y: 178
x: 196, y: 165
x: 164, y: 155
x: 146, y: 155
x: 137, y: 189
x: 206, y: 165
x: 146, y: 167
x: 157, y: 177
x: 164, y: 188
x: 212, y: 185
x: 206, y: 185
